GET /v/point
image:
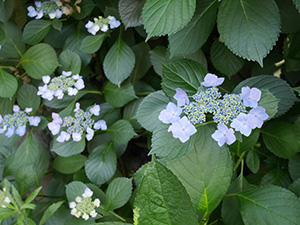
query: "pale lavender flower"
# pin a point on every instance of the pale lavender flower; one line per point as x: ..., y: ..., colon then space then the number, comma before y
x: 1, y: 119
x: 2, y: 130
x: 31, y: 11
x: 79, y: 84
x: 34, y: 120
x: 171, y: 114
x: 10, y: 132
x: 95, y: 110
x: 182, y: 129
x: 54, y: 126
x: 223, y: 134
x: 104, y: 28
x: 113, y: 23
x: 59, y: 94
x: 67, y: 73
x: 46, y: 79
x: 77, y: 107
x: 21, y: 130
x: 72, y: 91
x: 100, y: 124
x: 90, y: 134
x: 181, y: 97
x: 251, y: 96
x: 260, y: 115
x: 87, y: 193
x: 28, y: 110
x: 244, y: 123
x: 64, y: 136
x: 16, y: 108
x: 76, y: 137
x: 211, y: 80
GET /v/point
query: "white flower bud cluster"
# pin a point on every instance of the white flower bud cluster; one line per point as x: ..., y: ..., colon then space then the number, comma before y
x: 53, y: 9
x: 16, y: 122
x: 76, y: 126
x: 4, y: 198
x: 58, y: 86
x: 103, y: 24
x: 84, y: 206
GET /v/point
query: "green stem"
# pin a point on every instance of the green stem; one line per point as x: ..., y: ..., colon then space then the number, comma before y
x: 203, y: 124
x: 6, y: 67
x: 91, y: 92
x: 21, y: 76
x: 241, y: 159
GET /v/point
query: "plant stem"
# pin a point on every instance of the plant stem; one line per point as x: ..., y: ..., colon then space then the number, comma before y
x: 241, y: 159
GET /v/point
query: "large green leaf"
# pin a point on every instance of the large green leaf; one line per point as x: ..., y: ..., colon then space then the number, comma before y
x: 282, y: 139
x: 69, y: 165
x: 8, y: 84
x: 294, y: 165
x: 224, y: 60
x: 118, y: 62
x: 246, y: 144
x: 68, y: 148
x: 252, y: 161
x: 278, y: 87
x: 164, y: 145
x: 6, y: 9
x: 119, y: 97
x: 118, y: 193
x: 162, y: 199
x: 149, y: 109
x: 269, y: 205
x: 6, y: 106
x: 193, y: 36
x: 27, y: 97
x: 131, y: 12
x: 276, y: 176
x: 70, y: 61
x: 205, y: 171
x: 36, y: 30
x: 249, y: 28
x: 121, y: 132
x: 91, y: 43
x: 39, y: 60
x: 185, y: 74
x: 159, y: 55
x: 75, y: 189
x: 161, y: 17
x: 289, y: 14
x: 101, y: 164
x: 269, y: 102
x: 50, y: 211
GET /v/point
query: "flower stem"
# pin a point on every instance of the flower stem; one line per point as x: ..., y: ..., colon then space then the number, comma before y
x: 203, y: 124
x: 91, y: 92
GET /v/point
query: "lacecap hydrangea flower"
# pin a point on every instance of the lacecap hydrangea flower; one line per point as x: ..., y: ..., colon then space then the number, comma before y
x: 229, y: 109
x: 4, y: 199
x: 61, y: 85
x: 52, y: 9
x: 83, y: 206
x: 103, y: 24
x: 76, y: 126
x: 16, y: 122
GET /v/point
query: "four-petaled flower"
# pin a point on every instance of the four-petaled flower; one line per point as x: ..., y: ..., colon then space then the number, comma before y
x: 260, y: 115
x: 211, y: 80
x: 223, y: 134
x: 171, y: 114
x: 251, y: 96
x: 244, y: 123
x: 182, y: 129
x: 181, y: 97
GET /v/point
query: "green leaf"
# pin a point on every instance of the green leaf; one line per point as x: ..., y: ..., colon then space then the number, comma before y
x: 6, y: 9
x: 269, y: 102
x: 295, y: 187
x: 118, y: 193
x: 68, y: 148
x: 246, y: 143
x: 282, y: 139
x: 121, y: 132
x: 159, y: 56
x: 69, y: 165
x: 50, y: 211
x: 101, y: 164
x: 185, y: 74
x: 8, y: 84
x: 195, y: 33
x: 74, y: 189
x: 6, y: 106
x: 131, y: 12
x: 91, y: 43
x: 230, y: 208
x: 297, y: 4
x: 224, y: 60
x: 130, y: 111
x: 57, y: 24
x: 36, y: 30
x: 162, y: 199
x: 289, y: 15
x: 118, y: 62
x: 39, y: 60
x: 249, y: 28
x: 33, y: 195
x: 269, y: 205
x: 252, y: 161
x: 112, y: 223
x: 294, y: 165
x: 119, y: 97
x: 2, y: 37
x: 149, y: 109
x: 109, y: 113
x: 205, y: 172
x: 164, y: 145
x: 278, y: 87
x: 276, y: 176
x: 27, y: 97
x: 70, y: 61
x: 161, y: 17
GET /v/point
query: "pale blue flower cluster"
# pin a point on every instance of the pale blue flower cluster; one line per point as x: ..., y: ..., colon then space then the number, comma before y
x: 16, y: 122
x: 230, y: 108
x: 78, y: 125
x: 58, y: 86
x: 53, y: 9
x: 103, y: 24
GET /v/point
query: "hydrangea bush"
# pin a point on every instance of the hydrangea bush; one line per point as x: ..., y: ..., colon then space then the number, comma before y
x: 149, y: 112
